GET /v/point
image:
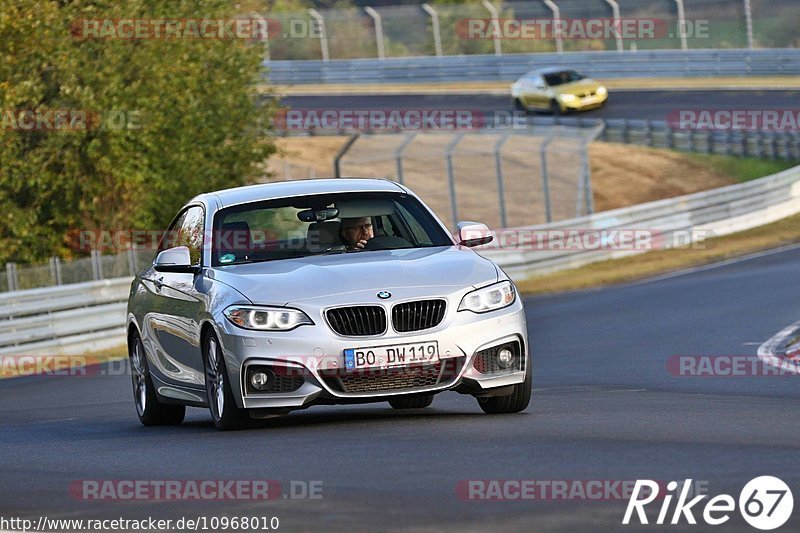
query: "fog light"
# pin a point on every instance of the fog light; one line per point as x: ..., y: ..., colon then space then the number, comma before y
x: 505, y: 357
x: 261, y: 379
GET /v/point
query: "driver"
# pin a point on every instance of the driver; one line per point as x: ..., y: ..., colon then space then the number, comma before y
x: 355, y: 232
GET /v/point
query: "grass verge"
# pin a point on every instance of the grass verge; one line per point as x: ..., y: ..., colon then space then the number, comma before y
x: 742, y: 168
x: 617, y: 271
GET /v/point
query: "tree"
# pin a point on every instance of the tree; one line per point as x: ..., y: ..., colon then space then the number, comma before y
x: 163, y: 119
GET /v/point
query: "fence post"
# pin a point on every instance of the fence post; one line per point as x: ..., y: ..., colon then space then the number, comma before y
x: 97, y: 265
x: 682, y: 24
x: 617, y: 24
x: 546, y: 178
x: 748, y: 18
x: 131, y: 259
x: 337, y: 169
x: 451, y: 176
x: 556, y: 16
x: 398, y: 155
x: 498, y: 51
x: 323, y: 35
x: 11, y: 275
x: 265, y: 25
x: 498, y: 165
x: 376, y: 17
x: 437, y: 33
x: 586, y: 180
x: 55, y: 270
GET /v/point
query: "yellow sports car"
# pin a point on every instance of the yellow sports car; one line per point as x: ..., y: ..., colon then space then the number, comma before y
x: 557, y: 90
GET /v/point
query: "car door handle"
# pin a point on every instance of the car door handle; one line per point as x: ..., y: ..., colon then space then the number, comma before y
x: 159, y: 283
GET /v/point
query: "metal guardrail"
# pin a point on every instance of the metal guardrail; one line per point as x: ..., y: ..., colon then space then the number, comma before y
x: 67, y: 319
x: 82, y: 317
x: 763, y: 144
x: 681, y: 220
x: 604, y: 65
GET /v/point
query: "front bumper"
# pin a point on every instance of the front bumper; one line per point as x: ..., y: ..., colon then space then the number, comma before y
x: 585, y: 103
x: 316, y: 353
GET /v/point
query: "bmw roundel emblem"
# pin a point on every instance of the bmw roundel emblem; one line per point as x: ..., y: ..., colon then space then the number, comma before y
x: 384, y: 295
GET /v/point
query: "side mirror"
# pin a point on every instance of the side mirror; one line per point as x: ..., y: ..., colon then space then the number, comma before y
x: 542, y: 88
x: 175, y: 260
x: 473, y: 234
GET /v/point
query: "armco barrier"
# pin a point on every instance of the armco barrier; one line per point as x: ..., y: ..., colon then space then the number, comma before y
x: 604, y: 65
x: 712, y: 213
x: 72, y: 319
x: 66, y: 319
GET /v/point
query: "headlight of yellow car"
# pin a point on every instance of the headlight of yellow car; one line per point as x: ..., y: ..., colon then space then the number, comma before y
x: 601, y: 91
x: 568, y: 97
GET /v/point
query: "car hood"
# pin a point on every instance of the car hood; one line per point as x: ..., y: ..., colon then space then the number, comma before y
x: 285, y: 281
x: 578, y: 88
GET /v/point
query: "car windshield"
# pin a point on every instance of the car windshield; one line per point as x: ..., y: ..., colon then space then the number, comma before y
x: 562, y: 77
x: 322, y: 224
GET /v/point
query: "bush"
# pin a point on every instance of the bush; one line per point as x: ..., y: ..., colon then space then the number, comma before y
x: 191, y: 120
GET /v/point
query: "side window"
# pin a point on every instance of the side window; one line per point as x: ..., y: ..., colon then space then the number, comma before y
x: 190, y: 233
x: 171, y: 236
x: 418, y: 233
x: 187, y: 230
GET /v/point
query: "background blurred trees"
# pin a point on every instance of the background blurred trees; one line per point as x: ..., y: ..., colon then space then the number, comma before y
x: 179, y: 117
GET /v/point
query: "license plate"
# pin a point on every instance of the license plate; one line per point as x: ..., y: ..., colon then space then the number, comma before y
x: 392, y: 355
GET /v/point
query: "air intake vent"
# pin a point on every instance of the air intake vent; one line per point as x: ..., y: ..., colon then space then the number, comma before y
x: 419, y: 315
x: 357, y: 321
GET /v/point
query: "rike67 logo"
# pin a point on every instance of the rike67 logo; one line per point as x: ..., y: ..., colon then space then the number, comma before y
x: 765, y: 503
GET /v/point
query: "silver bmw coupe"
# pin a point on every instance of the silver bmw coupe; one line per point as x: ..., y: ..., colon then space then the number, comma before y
x: 270, y: 298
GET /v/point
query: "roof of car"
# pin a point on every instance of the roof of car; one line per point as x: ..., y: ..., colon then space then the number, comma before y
x: 284, y: 189
x: 548, y: 70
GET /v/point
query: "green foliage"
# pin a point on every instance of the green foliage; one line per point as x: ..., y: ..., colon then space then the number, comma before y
x: 742, y: 168
x: 193, y: 121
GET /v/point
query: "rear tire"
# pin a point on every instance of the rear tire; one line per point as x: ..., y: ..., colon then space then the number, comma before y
x: 224, y: 411
x: 519, y: 106
x: 513, y: 403
x: 419, y: 401
x: 150, y: 410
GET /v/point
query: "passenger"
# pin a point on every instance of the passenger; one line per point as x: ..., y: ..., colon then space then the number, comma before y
x: 355, y: 232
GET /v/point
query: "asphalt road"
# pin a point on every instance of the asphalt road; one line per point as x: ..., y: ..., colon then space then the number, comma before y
x: 604, y: 408
x: 650, y: 105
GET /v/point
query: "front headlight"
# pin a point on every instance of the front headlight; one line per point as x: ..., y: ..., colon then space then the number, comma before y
x: 601, y: 91
x: 266, y: 318
x: 568, y: 97
x: 489, y: 298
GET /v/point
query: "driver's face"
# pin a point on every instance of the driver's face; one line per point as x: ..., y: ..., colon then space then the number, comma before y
x: 356, y: 230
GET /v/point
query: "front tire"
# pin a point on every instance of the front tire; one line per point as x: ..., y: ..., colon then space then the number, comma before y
x: 519, y: 106
x: 224, y: 411
x: 419, y: 401
x: 555, y: 108
x: 150, y: 410
x: 513, y: 403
